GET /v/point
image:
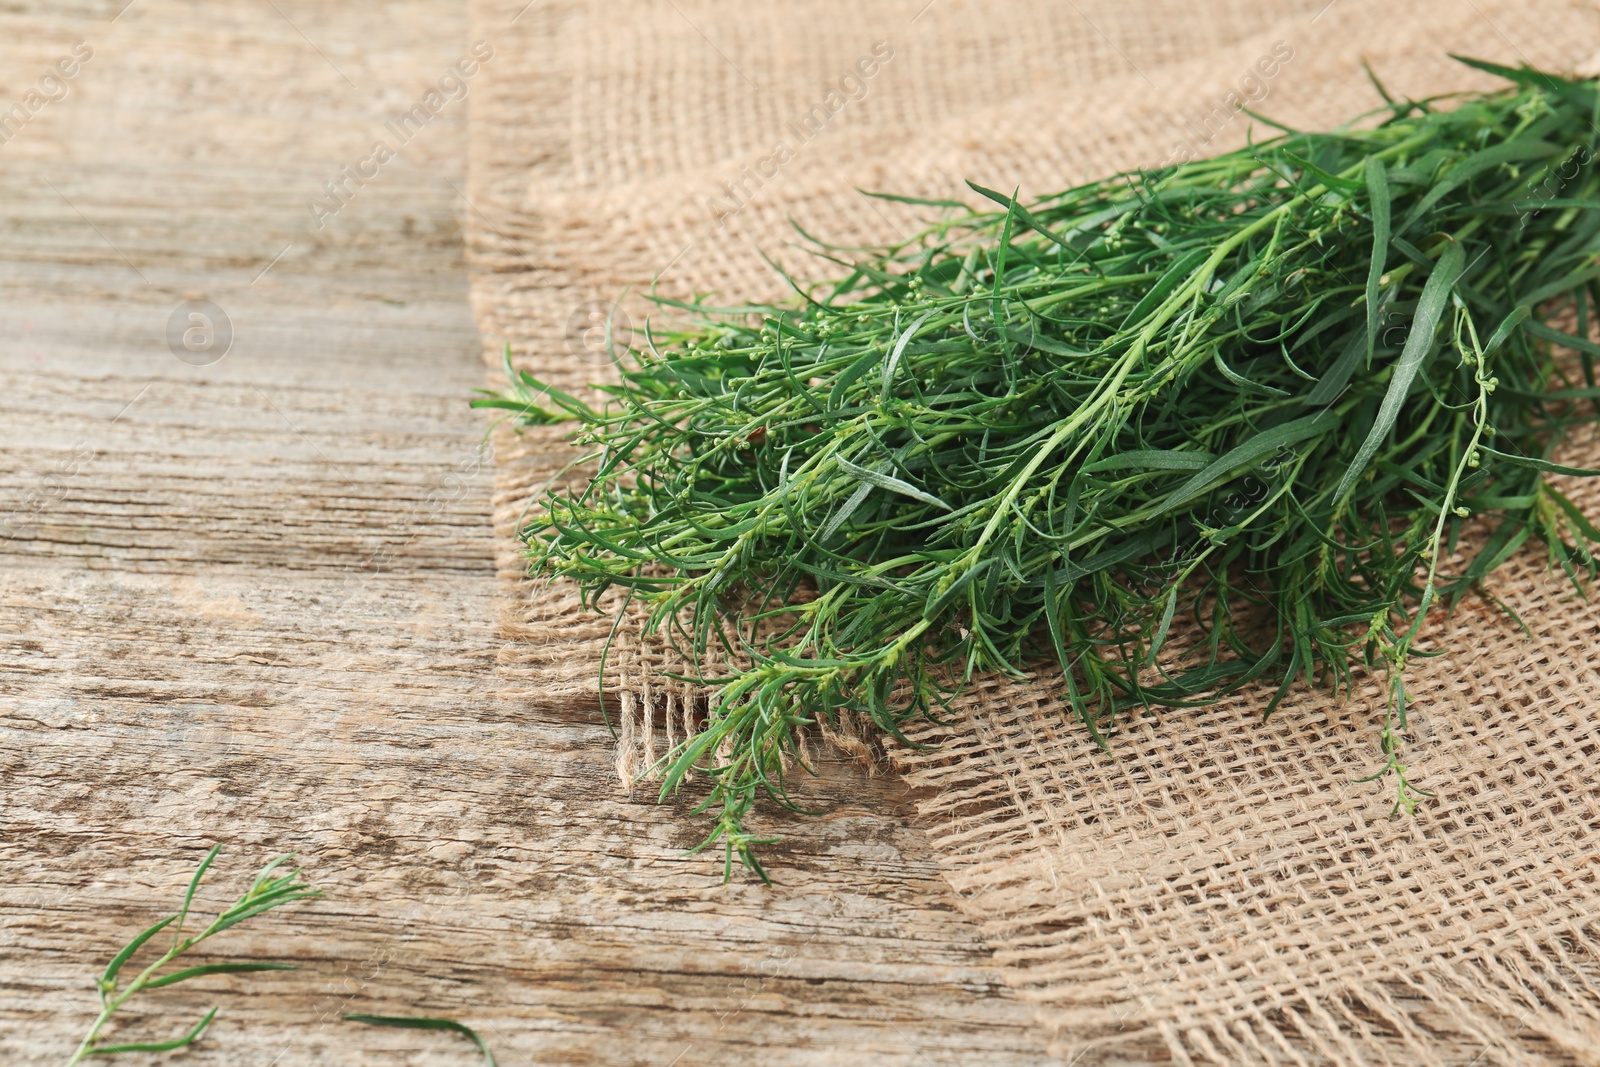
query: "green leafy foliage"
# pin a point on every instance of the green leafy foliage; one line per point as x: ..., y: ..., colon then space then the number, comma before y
x: 1252, y: 399
x: 417, y: 1022
x: 269, y: 890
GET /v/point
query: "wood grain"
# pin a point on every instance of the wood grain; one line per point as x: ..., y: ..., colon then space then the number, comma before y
x: 256, y: 602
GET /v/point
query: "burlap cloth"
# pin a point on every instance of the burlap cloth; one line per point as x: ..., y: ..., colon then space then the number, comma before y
x: 1219, y: 891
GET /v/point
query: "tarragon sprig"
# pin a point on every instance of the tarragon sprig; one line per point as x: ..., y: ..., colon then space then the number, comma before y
x: 269, y: 890
x: 1180, y: 431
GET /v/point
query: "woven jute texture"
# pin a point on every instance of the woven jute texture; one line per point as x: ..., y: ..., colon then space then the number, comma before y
x: 1217, y: 890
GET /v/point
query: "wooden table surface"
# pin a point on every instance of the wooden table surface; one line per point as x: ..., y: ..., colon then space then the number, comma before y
x: 255, y: 602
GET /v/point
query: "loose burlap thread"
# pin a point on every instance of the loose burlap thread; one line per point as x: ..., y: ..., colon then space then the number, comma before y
x: 1218, y: 890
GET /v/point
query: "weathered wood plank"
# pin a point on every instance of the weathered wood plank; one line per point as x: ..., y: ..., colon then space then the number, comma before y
x: 264, y: 609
